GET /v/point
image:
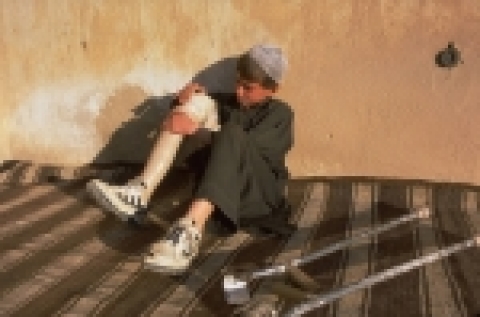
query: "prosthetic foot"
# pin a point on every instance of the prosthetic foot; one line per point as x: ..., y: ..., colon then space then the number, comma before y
x: 127, y: 202
x: 130, y: 201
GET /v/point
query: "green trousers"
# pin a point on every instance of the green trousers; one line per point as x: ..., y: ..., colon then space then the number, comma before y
x: 234, y: 177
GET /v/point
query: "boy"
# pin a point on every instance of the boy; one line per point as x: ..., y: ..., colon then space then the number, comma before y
x: 244, y: 174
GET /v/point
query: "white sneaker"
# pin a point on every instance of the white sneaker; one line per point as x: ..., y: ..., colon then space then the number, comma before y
x: 125, y: 201
x: 176, y: 251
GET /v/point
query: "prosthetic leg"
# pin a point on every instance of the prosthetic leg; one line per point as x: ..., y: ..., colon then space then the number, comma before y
x: 130, y: 201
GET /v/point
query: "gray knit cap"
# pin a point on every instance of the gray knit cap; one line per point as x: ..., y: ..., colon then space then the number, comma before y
x: 270, y: 59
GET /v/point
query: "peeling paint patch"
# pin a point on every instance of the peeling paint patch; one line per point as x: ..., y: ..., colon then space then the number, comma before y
x: 57, y: 119
x: 72, y: 123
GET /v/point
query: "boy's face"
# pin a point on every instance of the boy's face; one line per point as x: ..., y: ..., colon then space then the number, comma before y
x: 249, y: 93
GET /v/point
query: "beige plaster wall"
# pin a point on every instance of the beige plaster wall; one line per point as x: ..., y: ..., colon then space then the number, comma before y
x: 90, y: 80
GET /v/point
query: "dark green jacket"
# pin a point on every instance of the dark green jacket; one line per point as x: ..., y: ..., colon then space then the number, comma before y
x: 269, y: 126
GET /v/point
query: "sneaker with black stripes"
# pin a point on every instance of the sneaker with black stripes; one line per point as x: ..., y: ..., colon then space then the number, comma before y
x: 124, y: 201
x: 175, y: 252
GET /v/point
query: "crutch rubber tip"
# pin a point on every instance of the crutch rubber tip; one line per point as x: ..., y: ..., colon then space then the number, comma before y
x: 236, y: 290
x: 423, y: 213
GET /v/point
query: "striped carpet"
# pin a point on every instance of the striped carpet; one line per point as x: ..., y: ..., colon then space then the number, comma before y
x: 61, y: 256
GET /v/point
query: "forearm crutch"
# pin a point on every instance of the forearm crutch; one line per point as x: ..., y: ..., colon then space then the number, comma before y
x: 322, y: 300
x: 237, y: 290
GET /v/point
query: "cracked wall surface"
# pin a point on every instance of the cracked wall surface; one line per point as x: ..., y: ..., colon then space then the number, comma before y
x: 90, y: 81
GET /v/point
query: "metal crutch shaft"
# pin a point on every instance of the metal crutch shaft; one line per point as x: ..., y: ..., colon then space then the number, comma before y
x: 280, y: 269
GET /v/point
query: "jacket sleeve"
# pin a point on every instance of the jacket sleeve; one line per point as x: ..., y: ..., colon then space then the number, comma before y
x: 223, y: 100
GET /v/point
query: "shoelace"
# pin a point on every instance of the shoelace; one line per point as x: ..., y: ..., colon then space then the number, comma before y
x: 132, y: 194
x: 175, y: 233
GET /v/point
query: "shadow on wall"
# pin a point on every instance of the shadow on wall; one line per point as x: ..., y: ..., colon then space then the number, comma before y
x: 132, y: 140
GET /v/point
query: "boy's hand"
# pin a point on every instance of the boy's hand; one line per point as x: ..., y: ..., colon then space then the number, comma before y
x: 186, y: 92
x: 180, y: 123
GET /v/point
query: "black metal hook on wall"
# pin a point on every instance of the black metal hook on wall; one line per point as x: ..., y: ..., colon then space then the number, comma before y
x: 449, y: 57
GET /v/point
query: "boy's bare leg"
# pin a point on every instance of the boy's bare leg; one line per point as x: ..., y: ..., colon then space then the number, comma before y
x: 200, y: 211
